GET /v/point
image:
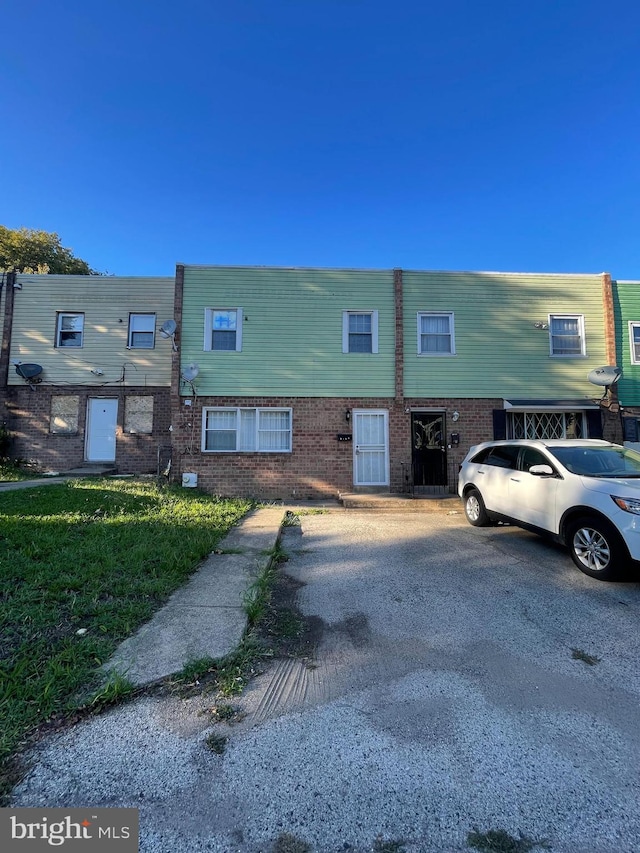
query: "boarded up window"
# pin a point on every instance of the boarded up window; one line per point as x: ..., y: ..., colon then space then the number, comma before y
x: 138, y: 414
x: 64, y: 415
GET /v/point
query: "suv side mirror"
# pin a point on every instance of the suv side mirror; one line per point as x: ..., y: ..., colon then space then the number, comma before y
x: 542, y: 470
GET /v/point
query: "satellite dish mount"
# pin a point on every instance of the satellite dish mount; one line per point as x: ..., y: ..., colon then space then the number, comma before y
x: 189, y: 375
x: 31, y: 373
x: 605, y: 377
x: 168, y: 330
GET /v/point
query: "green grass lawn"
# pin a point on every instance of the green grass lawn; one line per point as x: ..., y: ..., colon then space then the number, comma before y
x: 100, y: 555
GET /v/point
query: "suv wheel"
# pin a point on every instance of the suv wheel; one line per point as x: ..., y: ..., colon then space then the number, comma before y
x: 596, y: 548
x: 474, y: 509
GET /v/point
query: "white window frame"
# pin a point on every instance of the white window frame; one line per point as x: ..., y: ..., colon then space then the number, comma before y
x: 374, y: 330
x: 258, y: 410
x: 581, y: 332
x: 60, y: 331
x: 132, y: 331
x: 452, y: 335
x: 635, y: 359
x: 208, y: 329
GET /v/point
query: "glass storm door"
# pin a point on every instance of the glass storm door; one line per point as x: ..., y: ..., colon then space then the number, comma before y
x: 102, y: 419
x: 371, y: 448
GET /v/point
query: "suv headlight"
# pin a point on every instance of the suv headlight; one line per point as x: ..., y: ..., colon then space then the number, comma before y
x: 628, y: 504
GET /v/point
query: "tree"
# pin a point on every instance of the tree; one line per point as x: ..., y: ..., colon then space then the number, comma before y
x: 31, y: 251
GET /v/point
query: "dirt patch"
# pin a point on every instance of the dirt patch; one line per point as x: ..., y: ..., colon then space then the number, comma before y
x: 283, y: 628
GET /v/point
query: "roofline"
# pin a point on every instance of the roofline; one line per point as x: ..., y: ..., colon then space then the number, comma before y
x: 276, y: 267
x: 49, y: 276
x: 389, y: 269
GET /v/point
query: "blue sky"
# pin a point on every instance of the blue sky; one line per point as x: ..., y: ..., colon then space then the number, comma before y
x: 474, y: 135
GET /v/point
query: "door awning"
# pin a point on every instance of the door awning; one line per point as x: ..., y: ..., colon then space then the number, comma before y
x: 550, y: 405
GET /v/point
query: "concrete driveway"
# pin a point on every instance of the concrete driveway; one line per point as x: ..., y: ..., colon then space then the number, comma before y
x: 470, y: 686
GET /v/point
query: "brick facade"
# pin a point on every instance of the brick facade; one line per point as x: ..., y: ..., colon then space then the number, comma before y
x: 609, y: 318
x: 7, y: 281
x: 27, y: 413
x: 319, y: 465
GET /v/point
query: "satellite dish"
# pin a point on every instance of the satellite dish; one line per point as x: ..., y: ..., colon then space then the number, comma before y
x: 190, y: 372
x: 168, y: 328
x: 606, y: 375
x: 29, y: 371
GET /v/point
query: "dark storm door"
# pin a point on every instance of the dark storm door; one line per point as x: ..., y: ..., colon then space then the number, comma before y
x: 429, y: 452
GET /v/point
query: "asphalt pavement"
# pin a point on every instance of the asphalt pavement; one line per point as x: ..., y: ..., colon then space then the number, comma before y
x: 468, y: 687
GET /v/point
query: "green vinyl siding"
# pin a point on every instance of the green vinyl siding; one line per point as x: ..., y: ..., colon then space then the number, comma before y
x: 498, y: 350
x: 626, y: 302
x: 292, y: 331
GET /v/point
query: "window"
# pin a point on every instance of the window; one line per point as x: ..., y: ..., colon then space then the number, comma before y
x: 230, y: 430
x: 138, y: 414
x: 545, y: 425
x: 360, y: 331
x: 481, y: 457
x: 435, y: 333
x: 142, y: 331
x: 223, y: 329
x: 566, y: 334
x: 530, y: 456
x: 503, y: 456
x: 69, y: 331
x: 64, y: 415
x: 634, y: 341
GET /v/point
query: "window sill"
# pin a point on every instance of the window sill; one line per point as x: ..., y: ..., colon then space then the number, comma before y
x: 249, y: 452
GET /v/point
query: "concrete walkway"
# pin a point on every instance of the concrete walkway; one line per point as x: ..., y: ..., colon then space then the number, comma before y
x: 205, y: 617
x: 13, y: 485
x: 63, y: 477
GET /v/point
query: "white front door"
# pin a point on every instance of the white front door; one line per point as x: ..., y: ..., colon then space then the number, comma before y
x: 102, y: 419
x: 371, y: 448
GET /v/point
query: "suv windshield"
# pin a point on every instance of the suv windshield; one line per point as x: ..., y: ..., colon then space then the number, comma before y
x: 598, y: 461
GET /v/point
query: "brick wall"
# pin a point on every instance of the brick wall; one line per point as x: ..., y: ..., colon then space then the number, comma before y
x: 319, y: 465
x: 399, y: 331
x: 6, y: 322
x: 609, y: 319
x: 27, y: 413
x: 474, y: 425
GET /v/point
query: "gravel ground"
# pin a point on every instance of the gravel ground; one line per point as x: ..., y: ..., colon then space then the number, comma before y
x: 464, y: 680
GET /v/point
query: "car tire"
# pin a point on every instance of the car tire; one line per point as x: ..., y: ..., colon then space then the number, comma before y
x: 597, y: 548
x: 475, y: 510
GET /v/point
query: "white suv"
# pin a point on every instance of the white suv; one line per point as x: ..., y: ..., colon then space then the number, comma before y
x: 585, y: 493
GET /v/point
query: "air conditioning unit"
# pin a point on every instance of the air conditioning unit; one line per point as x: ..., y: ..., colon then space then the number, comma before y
x: 189, y: 481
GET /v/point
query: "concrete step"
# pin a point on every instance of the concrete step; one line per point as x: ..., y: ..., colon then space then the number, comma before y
x: 402, y: 503
x: 91, y: 469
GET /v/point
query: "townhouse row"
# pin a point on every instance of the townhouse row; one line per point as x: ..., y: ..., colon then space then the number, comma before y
x: 282, y: 383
